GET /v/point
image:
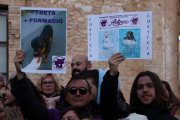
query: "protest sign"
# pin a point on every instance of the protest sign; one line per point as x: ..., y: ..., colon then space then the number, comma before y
x: 43, y: 38
x: 129, y: 33
x: 13, y: 113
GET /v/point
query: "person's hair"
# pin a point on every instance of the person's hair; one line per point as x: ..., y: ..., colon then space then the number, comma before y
x: 120, y: 95
x: 35, y: 90
x: 77, y: 77
x: 81, y: 112
x: 57, y: 86
x: 172, y: 97
x: 2, y: 78
x: 94, y: 75
x: 160, y: 95
x: 2, y: 86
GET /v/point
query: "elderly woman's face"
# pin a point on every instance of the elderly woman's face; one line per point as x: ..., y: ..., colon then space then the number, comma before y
x: 48, y: 86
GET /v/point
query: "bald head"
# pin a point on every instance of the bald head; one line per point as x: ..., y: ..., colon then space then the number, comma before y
x: 80, y: 65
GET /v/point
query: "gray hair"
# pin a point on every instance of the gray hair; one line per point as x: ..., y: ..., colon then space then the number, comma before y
x: 2, y: 78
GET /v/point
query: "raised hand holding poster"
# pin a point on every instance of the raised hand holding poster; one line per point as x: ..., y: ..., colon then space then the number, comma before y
x: 43, y: 38
x: 128, y: 33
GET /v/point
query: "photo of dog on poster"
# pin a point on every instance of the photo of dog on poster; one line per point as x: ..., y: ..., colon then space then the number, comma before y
x: 43, y: 37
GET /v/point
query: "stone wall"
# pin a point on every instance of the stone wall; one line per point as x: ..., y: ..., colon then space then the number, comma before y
x: 165, y: 32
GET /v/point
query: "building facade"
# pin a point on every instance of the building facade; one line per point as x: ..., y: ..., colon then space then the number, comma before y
x: 165, y: 29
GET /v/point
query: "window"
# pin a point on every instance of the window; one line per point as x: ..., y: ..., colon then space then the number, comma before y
x: 4, y: 40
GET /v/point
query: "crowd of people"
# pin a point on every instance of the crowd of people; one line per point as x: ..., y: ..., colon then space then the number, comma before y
x: 89, y: 94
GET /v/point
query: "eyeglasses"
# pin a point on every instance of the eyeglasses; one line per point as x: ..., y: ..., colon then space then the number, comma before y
x: 82, y: 90
x: 50, y: 82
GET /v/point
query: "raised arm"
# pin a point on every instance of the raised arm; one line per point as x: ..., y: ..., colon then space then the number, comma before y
x: 18, y: 60
x: 109, y: 104
x: 30, y: 107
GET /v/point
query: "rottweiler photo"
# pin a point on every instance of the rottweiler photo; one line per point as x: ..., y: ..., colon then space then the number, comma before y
x: 42, y: 44
x: 130, y: 36
x: 42, y: 41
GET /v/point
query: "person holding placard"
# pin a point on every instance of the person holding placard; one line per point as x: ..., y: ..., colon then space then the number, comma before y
x: 77, y: 93
x: 147, y: 96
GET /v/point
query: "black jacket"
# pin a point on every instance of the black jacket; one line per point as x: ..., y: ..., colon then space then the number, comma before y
x: 26, y: 98
x: 152, y: 112
x: 111, y: 111
x: 108, y: 101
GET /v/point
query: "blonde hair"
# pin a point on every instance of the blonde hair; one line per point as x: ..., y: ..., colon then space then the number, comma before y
x: 57, y: 86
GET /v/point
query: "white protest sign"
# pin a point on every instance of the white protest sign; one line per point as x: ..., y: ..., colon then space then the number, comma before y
x: 129, y: 33
x: 43, y: 38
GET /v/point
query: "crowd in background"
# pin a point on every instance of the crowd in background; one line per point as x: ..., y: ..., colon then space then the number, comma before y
x: 91, y: 94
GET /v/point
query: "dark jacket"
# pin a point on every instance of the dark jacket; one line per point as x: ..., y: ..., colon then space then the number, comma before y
x: 111, y: 111
x: 109, y: 104
x: 29, y: 105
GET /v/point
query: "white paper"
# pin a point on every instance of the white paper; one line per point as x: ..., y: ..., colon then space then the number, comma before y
x: 128, y: 33
x: 43, y: 38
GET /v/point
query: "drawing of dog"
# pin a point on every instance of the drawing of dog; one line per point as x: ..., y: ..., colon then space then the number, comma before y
x: 107, y: 43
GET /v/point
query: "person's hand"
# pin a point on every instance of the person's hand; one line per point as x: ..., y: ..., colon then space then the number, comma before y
x: 18, y: 60
x: 114, y: 61
x: 56, y: 99
x: 50, y: 103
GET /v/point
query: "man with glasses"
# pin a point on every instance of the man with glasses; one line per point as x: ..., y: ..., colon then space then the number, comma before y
x: 78, y: 93
x: 80, y: 66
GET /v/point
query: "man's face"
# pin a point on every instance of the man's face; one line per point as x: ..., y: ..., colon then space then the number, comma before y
x: 145, y: 90
x: 78, y: 65
x: 94, y: 90
x: 78, y: 99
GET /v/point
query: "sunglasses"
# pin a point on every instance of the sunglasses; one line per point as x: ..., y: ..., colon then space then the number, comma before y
x: 45, y: 83
x: 82, y: 90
